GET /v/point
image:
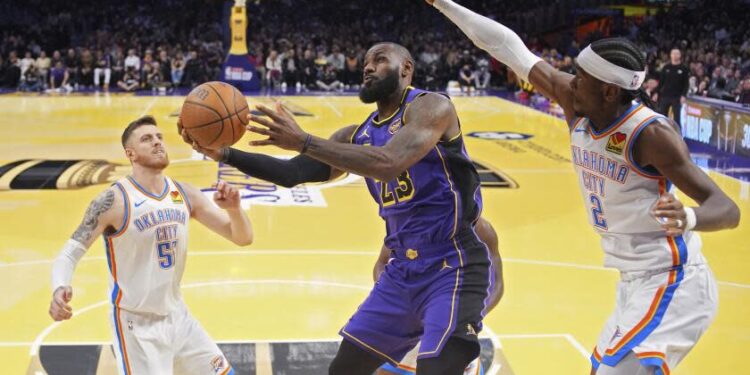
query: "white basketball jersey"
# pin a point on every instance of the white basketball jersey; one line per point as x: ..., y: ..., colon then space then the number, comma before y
x: 618, y: 195
x: 146, y: 256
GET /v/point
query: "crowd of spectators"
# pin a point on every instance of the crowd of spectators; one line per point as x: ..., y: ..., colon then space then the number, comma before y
x: 713, y: 40
x: 106, y: 44
x: 181, y: 43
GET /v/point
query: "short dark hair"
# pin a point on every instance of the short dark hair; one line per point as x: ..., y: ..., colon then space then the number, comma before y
x: 141, y: 121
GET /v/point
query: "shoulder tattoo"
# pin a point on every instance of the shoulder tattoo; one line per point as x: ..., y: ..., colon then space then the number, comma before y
x: 98, y: 206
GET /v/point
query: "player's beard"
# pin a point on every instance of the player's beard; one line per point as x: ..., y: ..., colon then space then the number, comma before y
x: 380, y: 88
x: 155, y: 162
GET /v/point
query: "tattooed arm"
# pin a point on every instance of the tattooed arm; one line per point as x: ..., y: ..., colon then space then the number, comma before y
x: 103, y: 215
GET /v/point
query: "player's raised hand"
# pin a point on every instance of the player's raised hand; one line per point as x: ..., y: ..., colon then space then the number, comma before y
x: 59, y: 309
x: 181, y: 131
x: 671, y: 214
x: 280, y: 127
x: 213, y: 154
x: 226, y: 196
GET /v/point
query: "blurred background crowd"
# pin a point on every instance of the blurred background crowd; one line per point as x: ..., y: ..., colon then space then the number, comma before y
x: 699, y: 48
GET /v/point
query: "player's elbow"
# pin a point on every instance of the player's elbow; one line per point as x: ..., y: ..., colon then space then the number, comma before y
x: 287, y: 183
x: 387, y: 169
x: 387, y: 175
x: 733, y: 215
x: 243, y: 240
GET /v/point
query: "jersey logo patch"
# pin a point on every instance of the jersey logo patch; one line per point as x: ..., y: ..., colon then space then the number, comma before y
x: 616, y: 335
x: 412, y: 254
x: 445, y: 265
x: 616, y: 143
x: 364, y: 133
x: 176, y: 197
x: 218, y: 364
x: 395, y: 126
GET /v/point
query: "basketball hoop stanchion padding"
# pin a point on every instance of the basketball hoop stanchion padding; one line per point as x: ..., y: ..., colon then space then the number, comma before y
x: 238, y: 69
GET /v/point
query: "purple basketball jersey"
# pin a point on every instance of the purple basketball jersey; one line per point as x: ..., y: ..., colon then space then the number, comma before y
x: 434, y: 199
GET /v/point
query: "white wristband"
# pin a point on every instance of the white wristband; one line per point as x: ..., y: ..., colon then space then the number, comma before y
x: 65, y: 264
x: 690, y: 219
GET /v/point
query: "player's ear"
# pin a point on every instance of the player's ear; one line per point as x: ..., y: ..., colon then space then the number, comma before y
x: 407, y: 68
x: 611, y: 92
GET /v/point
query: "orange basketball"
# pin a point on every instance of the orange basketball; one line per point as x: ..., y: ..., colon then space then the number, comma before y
x: 214, y: 115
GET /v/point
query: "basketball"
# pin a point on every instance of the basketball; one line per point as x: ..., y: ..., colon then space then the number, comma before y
x: 214, y: 115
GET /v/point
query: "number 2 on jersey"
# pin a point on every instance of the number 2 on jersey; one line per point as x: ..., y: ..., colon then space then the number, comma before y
x: 165, y: 252
x: 596, y: 212
x: 403, y: 192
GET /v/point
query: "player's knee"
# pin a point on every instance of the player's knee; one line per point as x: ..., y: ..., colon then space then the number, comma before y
x: 351, y: 360
x: 453, y: 359
x: 337, y: 366
x: 340, y: 364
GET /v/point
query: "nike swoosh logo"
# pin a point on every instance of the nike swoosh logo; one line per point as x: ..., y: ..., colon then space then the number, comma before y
x: 140, y: 203
x: 579, y: 131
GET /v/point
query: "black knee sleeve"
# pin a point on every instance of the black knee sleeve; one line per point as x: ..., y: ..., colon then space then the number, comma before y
x: 453, y: 359
x: 352, y: 360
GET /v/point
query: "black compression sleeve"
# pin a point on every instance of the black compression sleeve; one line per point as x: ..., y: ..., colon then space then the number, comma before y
x: 287, y: 173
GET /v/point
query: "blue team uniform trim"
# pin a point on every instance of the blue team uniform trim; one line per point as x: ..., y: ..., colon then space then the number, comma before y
x: 148, y: 193
x: 613, y: 359
x: 614, y: 123
x: 396, y: 370
x: 187, y: 200
x: 631, y: 143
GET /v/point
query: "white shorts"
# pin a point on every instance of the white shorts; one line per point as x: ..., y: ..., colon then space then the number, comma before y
x: 659, y: 316
x: 172, y: 344
x: 408, y: 365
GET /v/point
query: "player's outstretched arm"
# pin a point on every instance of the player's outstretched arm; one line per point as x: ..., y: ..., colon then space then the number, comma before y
x: 228, y: 219
x: 661, y: 147
x: 103, y: 213
x: 487, y: 234
x: 429, y: 118
x: 288, y: 173
x: 508, y: 48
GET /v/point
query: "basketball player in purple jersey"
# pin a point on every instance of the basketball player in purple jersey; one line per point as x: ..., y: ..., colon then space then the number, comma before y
x: 412, y: 155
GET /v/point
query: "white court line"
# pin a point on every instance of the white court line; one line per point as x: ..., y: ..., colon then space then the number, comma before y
x: 558, y: 264
x: 149, y: 106
x: 38, y: 341
x: 523, y: 336
x: 493, y: 336
x: 494, y: 368
x: 736, y: 285
x: 572, y: 340
x: 539, y: 170
x: 355, y: 253
x: 40, y: 338
x: 330, y: 105
x: 227, y: 341
x: 533, y: 336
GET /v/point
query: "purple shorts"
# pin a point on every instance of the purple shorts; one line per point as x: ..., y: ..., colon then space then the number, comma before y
x: 430, y: 293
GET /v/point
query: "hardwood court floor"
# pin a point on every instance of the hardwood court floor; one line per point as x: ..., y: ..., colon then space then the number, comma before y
x: 311, y: 263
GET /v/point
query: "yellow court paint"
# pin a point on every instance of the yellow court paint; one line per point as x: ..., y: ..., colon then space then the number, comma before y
x: 311, y: 263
